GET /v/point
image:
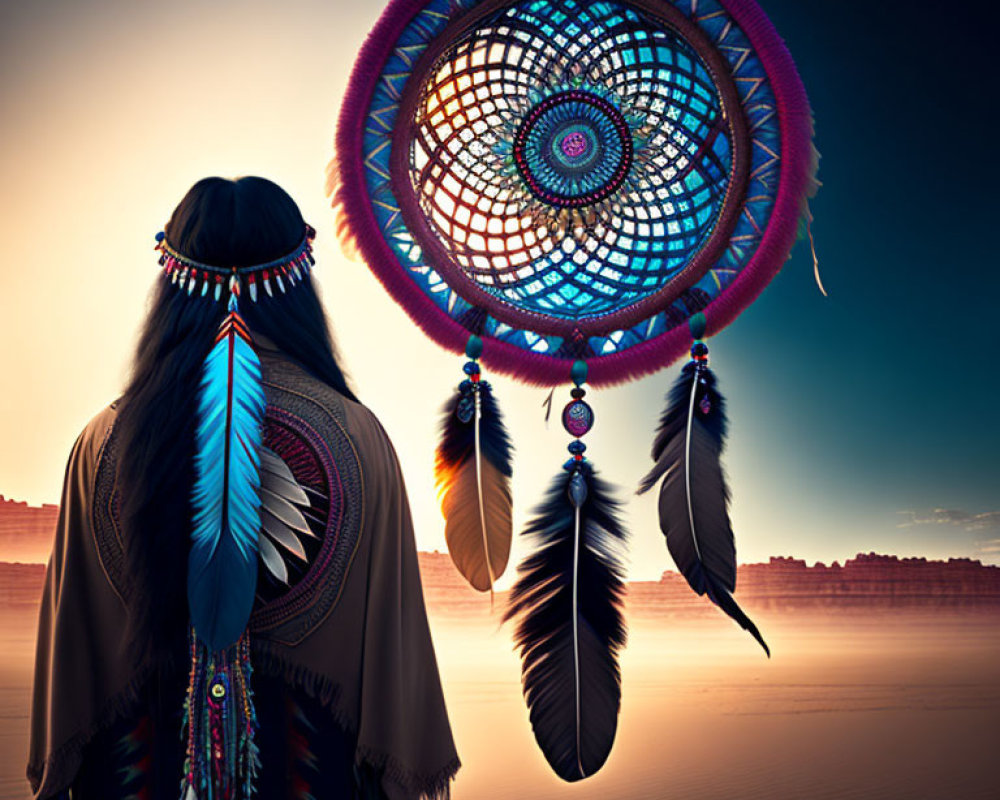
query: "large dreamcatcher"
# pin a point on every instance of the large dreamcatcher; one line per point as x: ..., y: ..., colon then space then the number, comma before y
x: 576, y: 193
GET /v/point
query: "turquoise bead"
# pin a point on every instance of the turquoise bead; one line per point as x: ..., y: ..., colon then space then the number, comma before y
x: 698, y: 324
x: 474, y: 347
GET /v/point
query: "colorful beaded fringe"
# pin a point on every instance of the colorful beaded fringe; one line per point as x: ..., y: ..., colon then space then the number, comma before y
x: 222, y: 758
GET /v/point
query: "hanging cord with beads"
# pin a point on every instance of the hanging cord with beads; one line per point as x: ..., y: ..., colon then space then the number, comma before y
x: 568, y: 604
x: 222, y: 759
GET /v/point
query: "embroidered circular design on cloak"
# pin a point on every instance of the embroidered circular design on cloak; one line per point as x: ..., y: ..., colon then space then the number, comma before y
x: 323, y: 462
x: 294, y: 442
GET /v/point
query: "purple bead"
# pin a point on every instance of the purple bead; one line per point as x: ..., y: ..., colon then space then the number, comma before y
x: 578, y: 418
x: 574, y: 144
x: 705, y: 405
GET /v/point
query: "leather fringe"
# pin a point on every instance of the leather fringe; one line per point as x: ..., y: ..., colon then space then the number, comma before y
x: 63, y: 762
x: 436, y: 786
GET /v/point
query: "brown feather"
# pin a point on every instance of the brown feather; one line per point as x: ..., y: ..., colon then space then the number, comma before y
x: 463, y: 527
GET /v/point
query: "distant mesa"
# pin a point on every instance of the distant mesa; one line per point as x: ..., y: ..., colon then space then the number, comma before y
x: 26, y: 532
x: 867, y: 581
x: 21, y: 585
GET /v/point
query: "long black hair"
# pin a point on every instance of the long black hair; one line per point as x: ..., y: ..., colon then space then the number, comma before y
x: 221, y: 223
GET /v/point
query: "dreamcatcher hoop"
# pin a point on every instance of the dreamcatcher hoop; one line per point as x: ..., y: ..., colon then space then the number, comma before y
x: 797, y: 158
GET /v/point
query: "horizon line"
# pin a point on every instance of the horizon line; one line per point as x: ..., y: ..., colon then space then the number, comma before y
x: 771, y: 559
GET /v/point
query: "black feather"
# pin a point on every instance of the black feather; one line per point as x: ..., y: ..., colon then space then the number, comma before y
x: 694, y: 497
x: 673, y: 421
x: 457, y: 443
x: 574, y: 720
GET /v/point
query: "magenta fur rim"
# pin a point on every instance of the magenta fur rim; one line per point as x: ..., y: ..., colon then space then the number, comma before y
x: 779, y: 237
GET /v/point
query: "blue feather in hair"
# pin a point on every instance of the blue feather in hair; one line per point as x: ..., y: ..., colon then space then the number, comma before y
x: 222, y: 566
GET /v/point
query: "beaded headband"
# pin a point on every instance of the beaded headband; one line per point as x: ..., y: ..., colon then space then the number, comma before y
x: 189, y: 275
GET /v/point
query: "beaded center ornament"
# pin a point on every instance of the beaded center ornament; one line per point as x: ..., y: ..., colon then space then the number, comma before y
x: 572, y: 150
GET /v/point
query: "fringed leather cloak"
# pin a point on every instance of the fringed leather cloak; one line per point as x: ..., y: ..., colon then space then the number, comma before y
x: 350, y: 636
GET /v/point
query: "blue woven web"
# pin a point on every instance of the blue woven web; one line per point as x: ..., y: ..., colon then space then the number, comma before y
x: 493, y: 223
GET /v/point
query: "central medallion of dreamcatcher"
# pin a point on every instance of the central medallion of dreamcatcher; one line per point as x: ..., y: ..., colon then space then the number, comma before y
x: 573, y: 149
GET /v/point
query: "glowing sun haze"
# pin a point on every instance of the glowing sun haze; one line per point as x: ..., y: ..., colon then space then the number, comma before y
x: 111, y: 110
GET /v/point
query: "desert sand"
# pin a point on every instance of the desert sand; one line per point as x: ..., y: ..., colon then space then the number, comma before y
x: 864, y: 706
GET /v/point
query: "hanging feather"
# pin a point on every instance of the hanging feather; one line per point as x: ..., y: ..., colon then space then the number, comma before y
x: 277, y: 478
x: 568, y: 603
x: 222, y: 566
x: 694, y: 497
x: 472, y: 470
x: 339, y: 201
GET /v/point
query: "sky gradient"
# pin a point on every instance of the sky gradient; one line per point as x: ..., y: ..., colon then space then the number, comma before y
x: 862, y: 421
